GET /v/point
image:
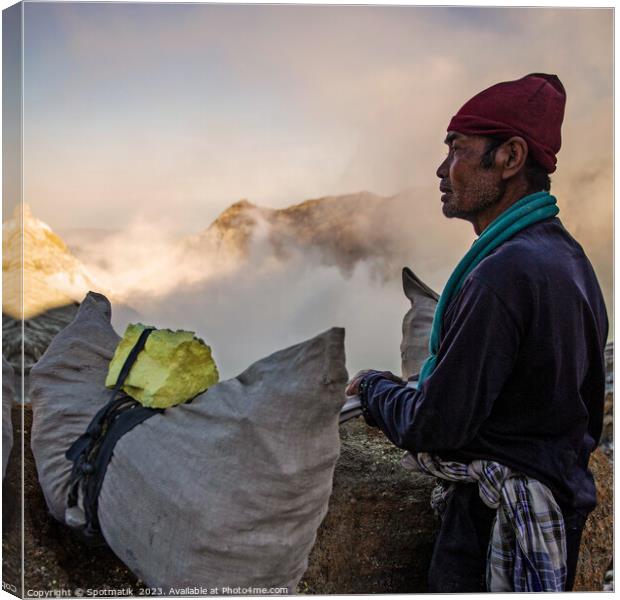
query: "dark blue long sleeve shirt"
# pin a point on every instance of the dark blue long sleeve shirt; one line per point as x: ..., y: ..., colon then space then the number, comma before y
x: 520, y: 375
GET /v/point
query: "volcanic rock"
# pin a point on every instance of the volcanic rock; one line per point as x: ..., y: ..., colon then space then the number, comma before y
x: 334, y: 230
x: 52, y: 276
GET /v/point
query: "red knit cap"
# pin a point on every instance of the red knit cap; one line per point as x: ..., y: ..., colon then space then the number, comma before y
x: 531, y: 107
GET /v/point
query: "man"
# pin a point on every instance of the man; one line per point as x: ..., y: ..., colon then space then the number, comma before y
x: 510, y: 403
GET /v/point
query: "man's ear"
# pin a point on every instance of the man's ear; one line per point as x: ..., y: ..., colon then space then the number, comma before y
x: 511, y: 156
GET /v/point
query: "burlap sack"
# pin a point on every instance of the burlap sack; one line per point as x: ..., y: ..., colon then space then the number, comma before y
x: 8, y: 397
x: 417, y: 323
x: 227, y: 491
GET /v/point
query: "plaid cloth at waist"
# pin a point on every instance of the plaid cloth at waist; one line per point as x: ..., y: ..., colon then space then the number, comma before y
x: 527, y: 549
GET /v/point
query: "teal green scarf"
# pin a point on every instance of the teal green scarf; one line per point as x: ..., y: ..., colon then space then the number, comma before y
x: 522, y: 214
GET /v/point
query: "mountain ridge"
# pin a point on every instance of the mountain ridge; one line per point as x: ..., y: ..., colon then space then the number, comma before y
x: 336, y: 230
x: 52, y: 275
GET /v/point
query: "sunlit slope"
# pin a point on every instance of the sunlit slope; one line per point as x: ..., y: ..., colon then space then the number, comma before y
x: 52, y: 276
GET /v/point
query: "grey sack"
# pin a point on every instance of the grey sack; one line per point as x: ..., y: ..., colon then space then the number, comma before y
x: 227, y: 491
x: 416, y: 323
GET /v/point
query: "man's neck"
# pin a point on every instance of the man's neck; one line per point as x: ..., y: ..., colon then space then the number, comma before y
x: 482, y: 220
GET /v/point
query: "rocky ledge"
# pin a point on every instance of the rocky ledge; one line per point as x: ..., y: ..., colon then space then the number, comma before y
x: 376, y: 538
x: 378, y: 534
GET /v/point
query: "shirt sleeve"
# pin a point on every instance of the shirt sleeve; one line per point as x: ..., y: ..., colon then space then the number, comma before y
x: 477, y: 354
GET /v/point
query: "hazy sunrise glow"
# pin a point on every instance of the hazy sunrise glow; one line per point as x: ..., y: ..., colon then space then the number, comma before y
x: 156, y: 117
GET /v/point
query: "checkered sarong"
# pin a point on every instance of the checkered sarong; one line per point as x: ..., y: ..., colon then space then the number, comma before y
x: 527, y: 549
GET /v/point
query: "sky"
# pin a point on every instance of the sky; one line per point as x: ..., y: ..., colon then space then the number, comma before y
x: 182, y: 109
x: 166, y: 114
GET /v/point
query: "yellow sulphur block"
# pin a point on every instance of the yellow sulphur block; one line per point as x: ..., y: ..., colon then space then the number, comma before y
x: 173, y: 367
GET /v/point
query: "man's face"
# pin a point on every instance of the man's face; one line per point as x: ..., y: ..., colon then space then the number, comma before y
x: 468, y: 188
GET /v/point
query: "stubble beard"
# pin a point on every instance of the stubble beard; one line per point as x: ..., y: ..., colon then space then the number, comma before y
x: 487, y: 195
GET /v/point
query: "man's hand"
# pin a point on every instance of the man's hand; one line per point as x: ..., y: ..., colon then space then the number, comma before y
x: 352, y: 388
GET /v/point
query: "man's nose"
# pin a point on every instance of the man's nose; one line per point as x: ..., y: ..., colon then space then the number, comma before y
x: 443, y: 171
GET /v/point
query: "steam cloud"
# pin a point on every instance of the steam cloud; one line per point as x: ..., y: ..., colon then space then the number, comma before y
x: 248, y: 307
